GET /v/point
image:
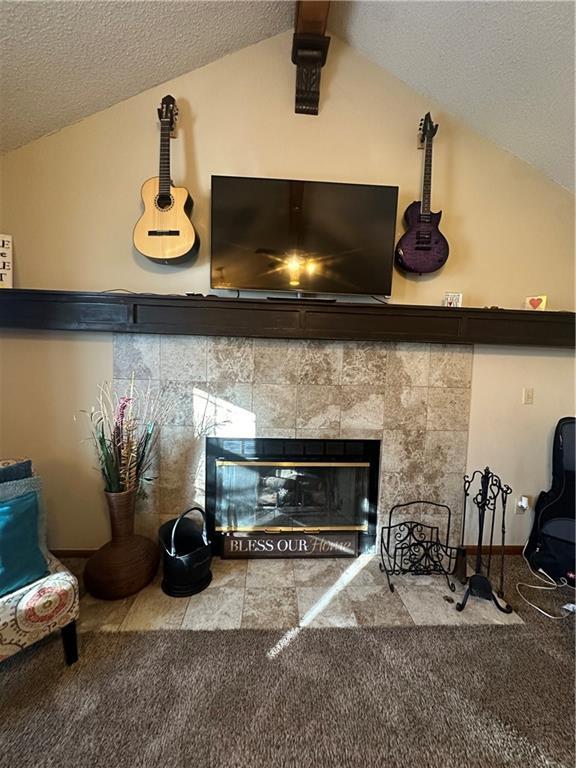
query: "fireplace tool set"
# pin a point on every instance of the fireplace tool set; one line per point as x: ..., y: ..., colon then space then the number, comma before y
x: 490, y: 494
x: 415, y: 548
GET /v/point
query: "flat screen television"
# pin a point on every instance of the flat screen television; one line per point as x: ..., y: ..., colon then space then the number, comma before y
x: 302, y: 236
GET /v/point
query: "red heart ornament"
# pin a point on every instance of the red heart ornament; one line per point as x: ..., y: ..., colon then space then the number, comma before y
x: 535, y: 303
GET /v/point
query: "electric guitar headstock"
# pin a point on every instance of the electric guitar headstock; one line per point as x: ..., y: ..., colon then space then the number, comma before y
x: 168, y: 112
x: 427, y: 128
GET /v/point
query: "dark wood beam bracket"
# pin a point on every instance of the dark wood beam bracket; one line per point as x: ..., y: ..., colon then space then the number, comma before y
x: 309, y: 53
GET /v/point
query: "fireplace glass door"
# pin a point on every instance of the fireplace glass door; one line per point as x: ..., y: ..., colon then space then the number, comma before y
x: 286, y: 496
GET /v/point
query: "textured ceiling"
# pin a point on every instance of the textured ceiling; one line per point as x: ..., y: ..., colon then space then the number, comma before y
x: 505, y: 68
x: 61, y: 61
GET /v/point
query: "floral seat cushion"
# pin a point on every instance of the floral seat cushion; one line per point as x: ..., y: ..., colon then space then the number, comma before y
x: 34, y: 611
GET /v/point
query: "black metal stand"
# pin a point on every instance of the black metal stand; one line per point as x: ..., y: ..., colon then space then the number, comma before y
x: 414, y: 548
x: 490, y: 491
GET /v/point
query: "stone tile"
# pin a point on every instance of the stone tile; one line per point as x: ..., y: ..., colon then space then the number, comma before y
x: 451, y: 365
x: 230, y: 360
x: 102, y: 615
x: 397, y: 488
x: 446, y: 488
x: 182, y: 397
x: 152, y: 609
x: 147, y: 525
x: 320, y: 362
x: 402, y: 450
x: 322, y: 607
x: 319, y: 572
x: 136, y: 355
x: 276, y: 361
x: 274, y: 405
x: 448, y: 408
x: 362, y: 407
x: 349, y: 433
x: 427, y: 606
x: 364, y: 362
x: 263, y: 573
x: 445, y: 451
x: 319, y: 434
x: 183, y: 358
x: 269, y: 608
x: 182, y: 464
x: 408, y: 365
x: 226, y: 411
x: 318, y: 407
x: 228, y: 573
x: 278, y: 433
x: 376, y: 606
x: 405, y: 407
x: 369, y: 574
x: 212, y: 609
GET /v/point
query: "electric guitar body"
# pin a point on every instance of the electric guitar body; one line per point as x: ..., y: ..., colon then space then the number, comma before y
x: 422, y: 248
x: 164, y: 232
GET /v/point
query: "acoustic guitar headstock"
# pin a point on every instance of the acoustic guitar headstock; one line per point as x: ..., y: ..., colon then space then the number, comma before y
x: 168, y: 112
x: 427, y: 128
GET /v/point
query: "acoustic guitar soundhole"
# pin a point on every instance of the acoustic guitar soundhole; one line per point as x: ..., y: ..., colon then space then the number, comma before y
x: 164, y: 202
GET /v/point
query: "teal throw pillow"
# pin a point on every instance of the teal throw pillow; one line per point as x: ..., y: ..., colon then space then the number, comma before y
x: 21, y: 560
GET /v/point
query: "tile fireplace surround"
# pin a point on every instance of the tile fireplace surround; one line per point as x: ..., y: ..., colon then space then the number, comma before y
x: 414, y: 398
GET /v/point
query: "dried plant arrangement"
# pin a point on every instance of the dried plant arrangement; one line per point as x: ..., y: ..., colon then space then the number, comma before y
x: 125, y: 430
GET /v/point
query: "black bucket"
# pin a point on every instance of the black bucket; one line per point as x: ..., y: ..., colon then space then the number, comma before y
x: 186, y: 554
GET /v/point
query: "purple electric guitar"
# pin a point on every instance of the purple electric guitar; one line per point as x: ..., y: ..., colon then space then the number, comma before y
x: 423, y: 248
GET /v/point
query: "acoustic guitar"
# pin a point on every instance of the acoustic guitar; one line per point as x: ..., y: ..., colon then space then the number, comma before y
x: 164, y: 232
x: 423, y: 248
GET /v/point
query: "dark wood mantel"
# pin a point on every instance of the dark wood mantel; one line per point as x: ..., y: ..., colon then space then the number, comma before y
x: 286, y: 318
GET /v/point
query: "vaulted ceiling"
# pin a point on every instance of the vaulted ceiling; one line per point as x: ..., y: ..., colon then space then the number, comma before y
x: 506, y: 68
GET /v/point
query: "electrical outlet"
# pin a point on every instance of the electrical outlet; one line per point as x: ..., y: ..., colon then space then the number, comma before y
x: 522, y: 505
x: 527, y: 395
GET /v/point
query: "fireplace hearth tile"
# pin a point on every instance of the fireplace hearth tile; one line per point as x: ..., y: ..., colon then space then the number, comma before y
x: 103, y: 615
x: 320, y: 572
x: 269, y: 573
x: 405, y: 407
x: 364, y: 362
x: 408, y: 365
x: 369, y: 575
x: 136, y: 354
x: 448, y: 408
x: 319, y: 434
x: 451, y: 365
x: 320, y: 607
x: 230, y: 360
x: 228, y: 573
x: 318, y: 407
x: 376, y: 606
x: 184, y: 398
x: 362, y: 407
x: 320, y: 362
x: 274, y: 405
x: 269, y: 608
x: 215, y: 608
x: 183, y: 358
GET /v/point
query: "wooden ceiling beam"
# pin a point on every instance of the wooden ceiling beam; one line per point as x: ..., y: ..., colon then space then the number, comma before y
x: 309, y: 52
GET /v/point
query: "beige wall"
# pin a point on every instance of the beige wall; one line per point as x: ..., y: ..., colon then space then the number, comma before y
x: 74, y: 199
x: 515, y: 440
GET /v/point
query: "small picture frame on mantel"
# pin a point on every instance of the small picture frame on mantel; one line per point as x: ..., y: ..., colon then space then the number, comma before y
x: 452, y: 299
x: 6, y: 261
x: 536, y: 303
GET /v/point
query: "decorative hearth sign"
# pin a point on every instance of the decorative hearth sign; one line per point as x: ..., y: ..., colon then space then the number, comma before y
x: 238, y: 545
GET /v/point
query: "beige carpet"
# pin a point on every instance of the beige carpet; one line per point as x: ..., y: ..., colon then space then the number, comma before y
x: 442, y: 697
